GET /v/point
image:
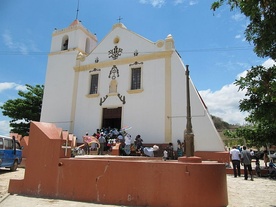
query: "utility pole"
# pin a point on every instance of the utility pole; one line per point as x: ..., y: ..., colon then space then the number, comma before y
x: 188, y: 134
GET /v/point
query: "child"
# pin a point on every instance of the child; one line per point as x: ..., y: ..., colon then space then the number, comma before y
x: 165, y: 155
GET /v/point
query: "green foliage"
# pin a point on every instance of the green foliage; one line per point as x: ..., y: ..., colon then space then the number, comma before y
x: 261, y: 30
x: 232, y: 138
x: 257, y: 134
x: 25, y: 109
x: 260, y: 82
x: 260, y: 97
x: 260, y: 100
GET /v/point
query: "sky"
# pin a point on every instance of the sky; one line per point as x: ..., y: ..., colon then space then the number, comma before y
x: 211, y: 43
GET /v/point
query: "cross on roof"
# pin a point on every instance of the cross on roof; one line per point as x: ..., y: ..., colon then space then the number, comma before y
x: 119, y: 19
x: 66, y: 146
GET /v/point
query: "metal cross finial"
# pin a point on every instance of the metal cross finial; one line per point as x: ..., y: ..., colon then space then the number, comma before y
x: 119, y: 19
x: 78, y: 9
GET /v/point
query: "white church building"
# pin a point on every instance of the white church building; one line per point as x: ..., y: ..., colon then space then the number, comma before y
x: 125, y: 79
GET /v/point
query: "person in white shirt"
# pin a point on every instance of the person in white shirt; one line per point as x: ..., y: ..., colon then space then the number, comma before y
x: 127, y: 144
x: 235, y: 157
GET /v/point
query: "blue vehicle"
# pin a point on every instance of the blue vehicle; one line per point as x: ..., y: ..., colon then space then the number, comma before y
x: 10, y: 153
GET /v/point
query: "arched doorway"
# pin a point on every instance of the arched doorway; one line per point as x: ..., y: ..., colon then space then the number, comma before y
x: 112, y: 117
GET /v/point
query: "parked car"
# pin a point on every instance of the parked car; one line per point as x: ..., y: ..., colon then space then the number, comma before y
x: 273, y: 156
x: 258, y: 155
x: 10, y: 153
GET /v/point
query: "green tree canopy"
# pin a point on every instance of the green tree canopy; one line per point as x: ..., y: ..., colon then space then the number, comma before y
x: 260, y: 101
x: 259, y: 82
x: 262, y: 27
x: 260, y: 97
x: 25, y: 109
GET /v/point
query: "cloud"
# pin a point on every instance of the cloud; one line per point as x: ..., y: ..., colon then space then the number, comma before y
x: 5, y: 127
x: 224, y: 103
x: 160, y: 3
x: 269, y: 63
x: 238, y: 36
x: 193, y: 2
x: 238, y: 17
x: 16, y: 46
x: 154, y: 3
x: 190, y: 2
x: 10, y: 85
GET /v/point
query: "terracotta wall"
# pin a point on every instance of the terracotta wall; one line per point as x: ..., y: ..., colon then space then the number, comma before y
x: 121, y: 181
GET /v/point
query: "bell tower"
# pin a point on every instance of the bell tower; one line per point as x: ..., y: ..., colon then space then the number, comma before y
x: 60, y: 87
x: 74, y: 37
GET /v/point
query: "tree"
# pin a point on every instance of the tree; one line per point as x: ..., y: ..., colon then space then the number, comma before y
x: 259, y: 82
x: 262, y: 27
x: 260, y: 101
x: 260, y: 86
x: 25, y: 109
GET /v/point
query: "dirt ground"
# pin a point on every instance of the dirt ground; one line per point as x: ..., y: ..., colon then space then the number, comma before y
x: 5, y: 176
x: 241, y: 193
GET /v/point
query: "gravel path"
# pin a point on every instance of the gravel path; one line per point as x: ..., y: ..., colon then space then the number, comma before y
x: 241, y: 193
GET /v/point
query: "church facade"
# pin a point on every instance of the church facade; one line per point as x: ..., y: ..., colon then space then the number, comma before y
x: 125, y: 79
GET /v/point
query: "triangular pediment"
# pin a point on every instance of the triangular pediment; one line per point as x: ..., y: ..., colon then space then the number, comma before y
x: 122, y: 43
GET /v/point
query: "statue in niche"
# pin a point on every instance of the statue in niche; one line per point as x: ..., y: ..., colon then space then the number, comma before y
x: 113, y: 86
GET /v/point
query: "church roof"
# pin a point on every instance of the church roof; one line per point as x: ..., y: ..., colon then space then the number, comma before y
x: 119, y: 25
x: 75, y: 22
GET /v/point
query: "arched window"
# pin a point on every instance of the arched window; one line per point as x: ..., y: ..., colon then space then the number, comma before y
x: 87, y: 45
x: 65, y: 42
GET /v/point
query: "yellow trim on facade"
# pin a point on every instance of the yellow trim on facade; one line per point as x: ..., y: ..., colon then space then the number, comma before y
x: 135, y: 91
x: 168, y: 102
x: 69, y: 50
x: 92, y: 95
x: 72, y: 28
x: 123, y: 61
x: 74, y: 102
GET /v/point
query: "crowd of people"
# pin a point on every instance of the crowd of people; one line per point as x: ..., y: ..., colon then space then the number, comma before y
x: 240, y: 156
x: 103, y: 140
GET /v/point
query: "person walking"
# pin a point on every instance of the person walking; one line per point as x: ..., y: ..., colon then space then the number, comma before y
x: 246, y: 162
x: 235, y: 157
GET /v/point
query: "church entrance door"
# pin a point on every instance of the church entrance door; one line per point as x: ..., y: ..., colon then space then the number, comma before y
x: 112, y: 117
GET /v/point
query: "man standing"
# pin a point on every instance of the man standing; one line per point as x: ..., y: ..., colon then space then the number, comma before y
x: 246, y: 162
x: 102, y: 142
x: 235, y: 157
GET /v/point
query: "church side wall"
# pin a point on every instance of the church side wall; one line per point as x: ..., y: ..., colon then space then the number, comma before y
x: 206, y: 136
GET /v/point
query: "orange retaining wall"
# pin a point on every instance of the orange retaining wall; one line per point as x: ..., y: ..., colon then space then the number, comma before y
x: 121, y: 181
x: 222, y: 157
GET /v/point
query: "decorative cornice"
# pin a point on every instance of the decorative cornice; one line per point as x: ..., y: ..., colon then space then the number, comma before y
x: 123, y: 61
x: 94, y: 70
x: 135, y: 91
x: 72, y: 28
x: 136, y: 63
x: 75, y: 49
